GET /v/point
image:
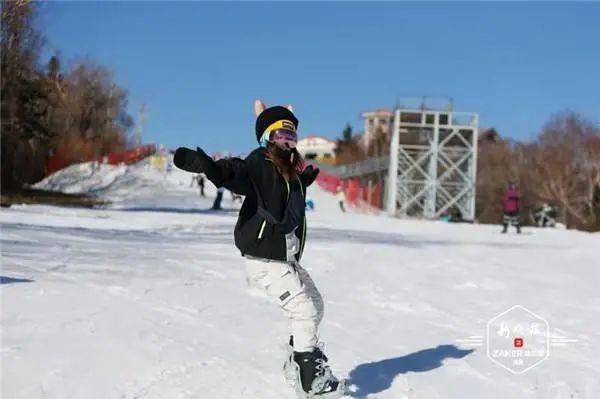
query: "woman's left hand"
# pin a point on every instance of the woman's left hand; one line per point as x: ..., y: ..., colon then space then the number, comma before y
x: 309, y: 174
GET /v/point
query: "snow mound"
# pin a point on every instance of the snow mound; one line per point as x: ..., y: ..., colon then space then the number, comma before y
x: 82, y: 178
x: 141, y: 185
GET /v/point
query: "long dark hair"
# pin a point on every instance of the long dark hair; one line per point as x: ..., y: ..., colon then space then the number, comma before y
x: 289, y: 162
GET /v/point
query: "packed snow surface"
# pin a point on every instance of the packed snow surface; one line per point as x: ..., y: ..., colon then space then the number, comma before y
x: 148, y: 299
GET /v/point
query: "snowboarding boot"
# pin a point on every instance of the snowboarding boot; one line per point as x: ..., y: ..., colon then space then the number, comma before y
x: 289, y: 366
x: 314, y: 378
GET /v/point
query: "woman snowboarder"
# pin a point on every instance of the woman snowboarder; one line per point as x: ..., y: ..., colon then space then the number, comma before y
x: 270, y: 234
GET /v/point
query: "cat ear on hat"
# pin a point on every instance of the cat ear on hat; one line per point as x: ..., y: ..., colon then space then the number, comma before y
x: 289, y: 106
x: 259, y: 107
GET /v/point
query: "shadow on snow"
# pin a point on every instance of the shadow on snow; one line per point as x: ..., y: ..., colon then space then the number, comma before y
x: 376, y: 377
x: 11, y: 280
x: 395, y: 239
x: 208, y: 211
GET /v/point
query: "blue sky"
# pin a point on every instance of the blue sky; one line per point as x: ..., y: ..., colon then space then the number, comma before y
x: 198, y: 66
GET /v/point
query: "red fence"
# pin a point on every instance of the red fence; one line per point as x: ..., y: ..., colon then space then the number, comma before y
x: 357, y: 194
x: 128, y: 157
x: 61, y: 158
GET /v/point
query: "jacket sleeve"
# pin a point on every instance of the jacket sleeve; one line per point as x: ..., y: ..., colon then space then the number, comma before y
x: 231, y: 173
x: 240, y: 175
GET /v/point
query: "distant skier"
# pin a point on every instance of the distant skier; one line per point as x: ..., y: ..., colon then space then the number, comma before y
x: 512, y: 207
x: 199, y: 179
x: 545, y: 216
x: 270, y: 233
x: 341, y: 197
x: 217, y: 204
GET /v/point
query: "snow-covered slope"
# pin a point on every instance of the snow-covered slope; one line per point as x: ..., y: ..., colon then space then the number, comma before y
x: 136, y: 186
x: 148, y: 299
x: 87, y: 177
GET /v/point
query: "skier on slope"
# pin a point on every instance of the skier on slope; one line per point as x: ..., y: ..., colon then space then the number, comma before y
x: 217, y: 202
x: 199, y: 179
x: 341, y: 197
x: 512, y: 206
x: 271, y: 232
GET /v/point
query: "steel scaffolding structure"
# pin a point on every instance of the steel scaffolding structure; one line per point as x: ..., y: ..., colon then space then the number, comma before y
x: 432, y: 164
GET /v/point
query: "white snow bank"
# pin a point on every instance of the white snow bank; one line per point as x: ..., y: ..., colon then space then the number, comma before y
x: 140, y: 185
x: 80, y: 178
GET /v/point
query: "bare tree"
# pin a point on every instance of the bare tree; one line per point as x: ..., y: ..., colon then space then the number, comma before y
x: 564, y: 166
x: 592, y: 170
x: 495, y: 168
x: 348, y: 149
x: 23, y: 102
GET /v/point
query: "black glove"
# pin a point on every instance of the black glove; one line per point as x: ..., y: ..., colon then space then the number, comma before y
x: 193, y: 161
x: 309, y: 174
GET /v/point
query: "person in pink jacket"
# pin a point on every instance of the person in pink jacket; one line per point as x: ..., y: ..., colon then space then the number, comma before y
x: 512, y: 207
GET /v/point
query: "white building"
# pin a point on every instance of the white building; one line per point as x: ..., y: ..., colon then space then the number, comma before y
x: 313, y: 147
x: 379, y: 119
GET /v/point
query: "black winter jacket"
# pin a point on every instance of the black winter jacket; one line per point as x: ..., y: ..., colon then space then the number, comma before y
x: 272, y: 208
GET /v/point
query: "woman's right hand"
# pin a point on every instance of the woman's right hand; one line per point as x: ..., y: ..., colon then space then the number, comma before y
x: 193, y: 161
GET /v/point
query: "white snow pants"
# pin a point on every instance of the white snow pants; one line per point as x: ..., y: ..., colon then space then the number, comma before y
x: 290, y: 286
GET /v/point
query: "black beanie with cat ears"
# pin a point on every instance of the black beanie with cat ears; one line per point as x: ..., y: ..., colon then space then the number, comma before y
x: 271, y: 115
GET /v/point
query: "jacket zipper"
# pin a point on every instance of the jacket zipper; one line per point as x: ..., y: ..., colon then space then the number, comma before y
x: 287, y: 198
x: 287, y: 186
x: 303, y: 241
x: 262, y: 229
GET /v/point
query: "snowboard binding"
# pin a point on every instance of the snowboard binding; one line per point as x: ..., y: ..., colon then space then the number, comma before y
x: 310, y: 376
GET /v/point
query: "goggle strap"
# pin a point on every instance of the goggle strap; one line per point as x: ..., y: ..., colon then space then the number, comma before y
x: 264, y: 139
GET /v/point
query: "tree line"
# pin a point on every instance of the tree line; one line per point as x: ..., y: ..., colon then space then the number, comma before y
x: 560, y: 167
x: 78, y: 112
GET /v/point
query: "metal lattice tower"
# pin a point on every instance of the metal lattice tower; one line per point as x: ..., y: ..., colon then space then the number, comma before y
x: 432, y: 164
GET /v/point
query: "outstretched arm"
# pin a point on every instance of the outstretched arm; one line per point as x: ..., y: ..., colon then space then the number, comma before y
x: 230, y: 173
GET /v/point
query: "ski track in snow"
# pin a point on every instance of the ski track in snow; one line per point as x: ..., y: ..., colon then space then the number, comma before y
x: 147, y: 299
